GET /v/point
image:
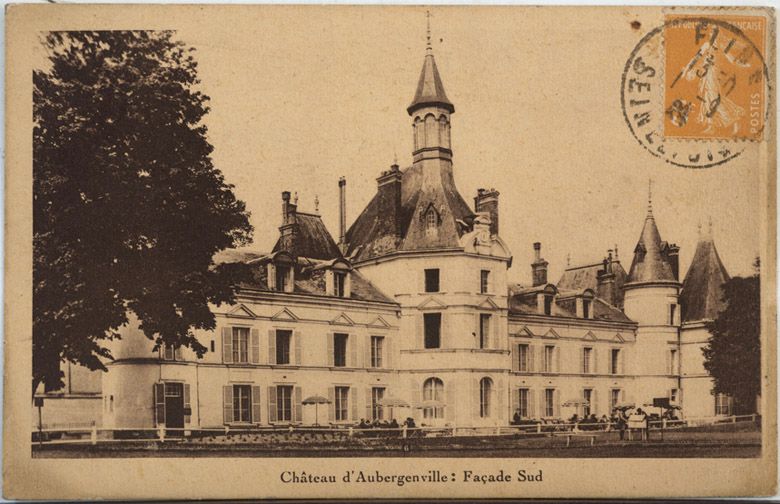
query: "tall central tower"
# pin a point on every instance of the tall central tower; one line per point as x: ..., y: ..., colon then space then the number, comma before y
x: 430, y: 110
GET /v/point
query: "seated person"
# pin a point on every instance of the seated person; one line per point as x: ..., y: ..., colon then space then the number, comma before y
x: 393, y: 424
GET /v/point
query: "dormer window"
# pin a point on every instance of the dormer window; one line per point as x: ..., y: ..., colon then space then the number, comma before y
x: 548, y: 300
x: 586, y: 308
x: 339, y: 283
x: 281, y: 272
x: 282, y: 277
x: 431, y: 220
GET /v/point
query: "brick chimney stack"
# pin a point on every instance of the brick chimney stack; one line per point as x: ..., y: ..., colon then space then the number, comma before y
x: 605, y: 281
x: 289, y: 225
x: 343, y: 215
x: 539, y: 266
x: 487, y: 201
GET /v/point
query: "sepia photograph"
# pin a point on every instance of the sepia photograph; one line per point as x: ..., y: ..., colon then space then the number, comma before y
x: 332, y: 239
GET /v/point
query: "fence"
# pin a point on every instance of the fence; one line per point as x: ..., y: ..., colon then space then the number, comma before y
x: 65, y: 434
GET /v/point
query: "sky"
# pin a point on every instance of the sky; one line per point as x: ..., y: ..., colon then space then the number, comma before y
x: 300, y: 97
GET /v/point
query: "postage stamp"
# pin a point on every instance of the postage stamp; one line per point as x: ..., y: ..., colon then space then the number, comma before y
x: 697, y: 87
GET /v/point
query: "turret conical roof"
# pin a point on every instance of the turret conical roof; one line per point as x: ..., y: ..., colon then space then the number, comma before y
x: 701, y: 297
x: 430, y: 90
x: 649, y: 264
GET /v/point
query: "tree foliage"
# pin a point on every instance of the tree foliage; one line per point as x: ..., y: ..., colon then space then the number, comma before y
x: 128, y: 209
x: 733, y: 354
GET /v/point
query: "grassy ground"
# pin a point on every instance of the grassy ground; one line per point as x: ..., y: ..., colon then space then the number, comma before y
x: 717, y: 442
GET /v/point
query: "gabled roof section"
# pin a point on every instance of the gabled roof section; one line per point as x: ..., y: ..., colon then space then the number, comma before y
x: 618, y: 338
x: 488, y: 304
x: 552, y: 334
x: 649, y: 264
x: 285, y: 314
x: 379, y: 322
x: 589, y: 336
x: 586, y: 276
x: 343, y: 319
x: 431, y: 303
x: 430, y: 90
x: 311, y: 239
x: 241, y: 311
x: 702, y: 296
x: 524, y: 332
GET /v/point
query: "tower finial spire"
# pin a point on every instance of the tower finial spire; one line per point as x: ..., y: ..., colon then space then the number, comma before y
x: 650, y: 197
x: 428, y: 46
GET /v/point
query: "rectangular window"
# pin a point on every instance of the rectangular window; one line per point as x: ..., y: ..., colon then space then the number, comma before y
x: 614, y: 362
x: 549, y: 402
x: 284, y: 395
x: 614, y: 399
x: 523, y: 358
x: 484, y: 330
x: 548, y: 305
x: 523, y: 403
x: 377, y: 344
x: 282, y: 278
x: 241, y: 345
x: 339, y: 281
x: 341, y: 403
x: 587, y: 395
x: 283, y: 338
x: 340, y: 349
x: 587, y: 356
x: 432, y: 330
x: 585, y: 308
x: 242, y: 403
x: 484, y: 281
x: 549, y: 352
x: 432, y: 280
x: 722, y: 404
x: 672, y: 361
x: 377, y: 394
x: 673, y: 396
x: 672, y: 310
x: 169, y: 353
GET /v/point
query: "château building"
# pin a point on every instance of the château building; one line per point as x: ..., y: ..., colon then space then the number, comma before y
x: 412, y: 302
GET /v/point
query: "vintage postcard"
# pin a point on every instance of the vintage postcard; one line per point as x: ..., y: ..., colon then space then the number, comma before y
x: 385, y: 251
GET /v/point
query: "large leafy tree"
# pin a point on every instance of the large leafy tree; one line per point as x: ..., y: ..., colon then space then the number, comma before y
x: 733, y: 354
x: 128, y: 209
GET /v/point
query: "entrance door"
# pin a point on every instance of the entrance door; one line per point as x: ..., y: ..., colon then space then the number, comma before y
x: 174, y: 409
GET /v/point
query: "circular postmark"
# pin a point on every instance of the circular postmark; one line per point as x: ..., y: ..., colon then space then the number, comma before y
x: 695, y: 89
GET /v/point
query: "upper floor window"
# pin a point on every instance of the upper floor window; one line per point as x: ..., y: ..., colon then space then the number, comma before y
x: 432, y: 322
x: 282, y: 277
x: 672, y: 313
x: 549, y: 351
x: 548, y: 300
x: 484, y: 330
x: 587, y: 360
x: 431, y: 280
x: 241, y: 345
x: 523, y: 358
x: 340, y: 349
x: 431, y: 220
x: 377, y: 344
x: 484, y: 281
x: 586, y: 308
x: 339, y: 283
x: 614, y: 361
x: 283, y: 338
x: 672, y: 361
x: 169, y: 352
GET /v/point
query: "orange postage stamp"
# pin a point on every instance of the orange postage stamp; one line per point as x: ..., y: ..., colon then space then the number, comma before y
x: 714, y: 77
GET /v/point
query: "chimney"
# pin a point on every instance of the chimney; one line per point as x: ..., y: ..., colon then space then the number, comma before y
x: 539, y: 266
x: 289, y: 224
x: 388, y: 216
x: 673, y: 257
x: 605, y: 281
x: 343, y: 215
x: 487, y: 201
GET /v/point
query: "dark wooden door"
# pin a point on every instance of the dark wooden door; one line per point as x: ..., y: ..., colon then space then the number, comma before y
x: 174, y: 408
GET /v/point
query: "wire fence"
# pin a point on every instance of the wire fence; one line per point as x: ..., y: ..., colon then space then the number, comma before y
x: 91, y: 434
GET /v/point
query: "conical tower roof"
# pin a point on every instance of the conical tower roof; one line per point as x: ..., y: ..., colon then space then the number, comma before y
x: 430, y: 90
x: 702, y: 297
x: 649, y: 264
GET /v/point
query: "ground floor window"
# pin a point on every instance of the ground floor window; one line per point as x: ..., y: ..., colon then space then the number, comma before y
x: 242, y: 403
x: 614, y: 399
x: 433, y: 391
x: 723, y: 404
x: 342, y: 403
x: 485, y: 389
x: 523, y: 403
x: 587, y: 406
x: 284, y: 394
x: 377, y: 394
x: 549, y: 402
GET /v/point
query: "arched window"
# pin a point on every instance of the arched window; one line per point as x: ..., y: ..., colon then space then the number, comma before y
x: 431, y: 135
x: 433, y: 391
x: 444, y: 132
x: 485, y: 391
x: 431, y: 220
x: 419, y: 134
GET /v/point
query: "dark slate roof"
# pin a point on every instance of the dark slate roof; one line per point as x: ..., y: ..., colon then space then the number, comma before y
x: 701, y: 297
x: 649, y: 264
x: 312, y: 238
x: 309, y: 276
x: 522, y: 301
x: 430, y: 90
x: 420, y: 190
x: 586, y: 277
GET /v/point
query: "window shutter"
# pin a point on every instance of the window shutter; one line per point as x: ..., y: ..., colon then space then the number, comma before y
x: 594, y: 408
x: 557, y: 359
x: 476, y: 396
x: 298, y: 405
x: 582, y: 360
x: 515, y: 357
x: 367, y: 351
x: 557, y: 403
x: 330, y: 348
x: 297, y: 338
x: 622, y: 361
x: 451, y: 405
x: 623, y: 396
x: 255, y: 337
x: 352, y: 342
x: 271, y: 277
x: 515, y: 400
x: 256, y: 403
x: 271, y: 346
x: 227, y: 403
x: 668, y: 362
x: 187, y: 417
x: 478, y: 328
x: 177, y: 354
x: 369, y: 412
x: 271, y: 404
x: 159, y: 403
x: 416, y: 393
x: 227, y: 345
x: 353, y: 398
x: 498, y: 394
x: 595, y: 353
x: 531, y: 403
x: 329, y: 287
x: 420, y: 332
x: 387, y: 350
x: 332, y: 404
x: 542, y: 411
